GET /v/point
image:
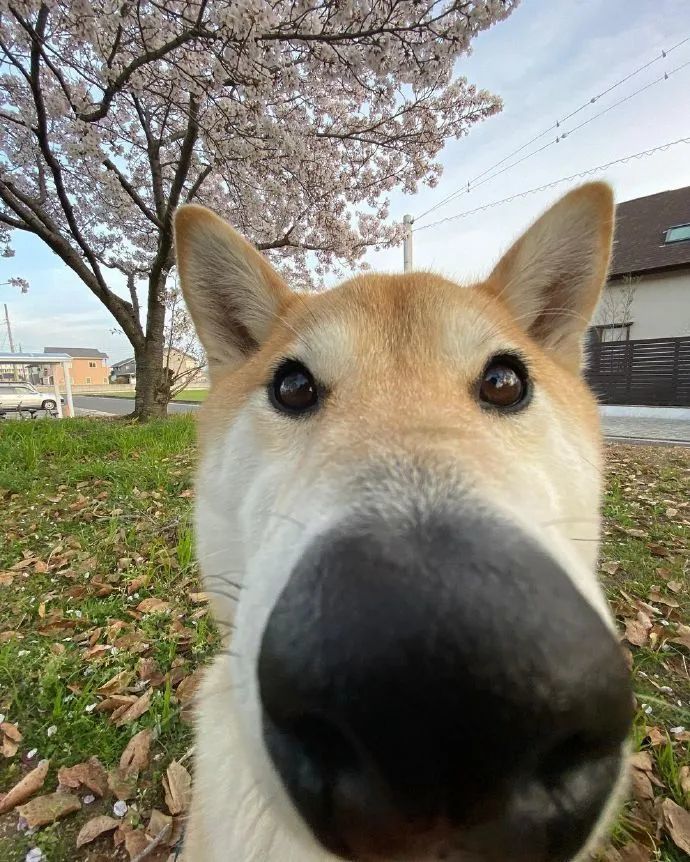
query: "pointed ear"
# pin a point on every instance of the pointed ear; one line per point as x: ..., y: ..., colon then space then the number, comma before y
x: 232, y: 292
x: 552, y: 277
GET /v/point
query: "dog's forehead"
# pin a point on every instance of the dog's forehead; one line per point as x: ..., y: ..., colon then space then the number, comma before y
x: 410, y: 319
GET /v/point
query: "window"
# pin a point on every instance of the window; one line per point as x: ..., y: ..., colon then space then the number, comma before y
x: 678, y: 233
x: 92, y: 364
x: 88, y: 380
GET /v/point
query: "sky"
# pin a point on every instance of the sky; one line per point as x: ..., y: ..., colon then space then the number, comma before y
x: 549, y: 58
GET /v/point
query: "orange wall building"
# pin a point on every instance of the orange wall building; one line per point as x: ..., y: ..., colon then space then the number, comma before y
x: 89, y: 367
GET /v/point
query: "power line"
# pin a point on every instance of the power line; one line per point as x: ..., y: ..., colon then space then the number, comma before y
x: 566, y: 134
x: 473, y: 182
x: 550, y: 185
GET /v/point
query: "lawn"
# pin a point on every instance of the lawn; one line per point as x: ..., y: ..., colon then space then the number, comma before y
x: 102, y: 627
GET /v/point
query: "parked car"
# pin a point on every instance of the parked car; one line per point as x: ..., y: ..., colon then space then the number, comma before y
x: 24, y: 396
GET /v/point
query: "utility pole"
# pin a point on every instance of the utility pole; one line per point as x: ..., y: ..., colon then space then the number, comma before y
x: 9, y: 329
x: 407, y: 243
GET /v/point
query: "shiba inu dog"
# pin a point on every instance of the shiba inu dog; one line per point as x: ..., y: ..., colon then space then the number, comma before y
x: 398, y: 520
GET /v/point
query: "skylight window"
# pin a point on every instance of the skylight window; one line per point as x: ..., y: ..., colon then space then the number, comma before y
x: 678, y: 233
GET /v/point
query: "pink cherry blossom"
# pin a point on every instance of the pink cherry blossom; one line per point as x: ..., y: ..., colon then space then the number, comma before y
x: 294, y: 120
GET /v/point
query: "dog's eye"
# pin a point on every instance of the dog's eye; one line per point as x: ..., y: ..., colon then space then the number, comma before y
x: 504, y: 383
x: 293, y: 389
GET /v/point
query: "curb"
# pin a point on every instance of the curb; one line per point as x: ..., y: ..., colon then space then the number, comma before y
x: 645, y: 441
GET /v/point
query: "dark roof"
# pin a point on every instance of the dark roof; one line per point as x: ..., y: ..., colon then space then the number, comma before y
x: 641, y: 226
x: 87, y: 352
x: 122, y: 362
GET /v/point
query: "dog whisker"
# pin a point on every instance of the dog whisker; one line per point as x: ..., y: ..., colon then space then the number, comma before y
x: 226, y: 623
x: 223, y: 579
x: 288, y: 518
x: 556, y: 521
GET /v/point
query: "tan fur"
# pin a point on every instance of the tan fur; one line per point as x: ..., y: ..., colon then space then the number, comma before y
x: 400, y: 356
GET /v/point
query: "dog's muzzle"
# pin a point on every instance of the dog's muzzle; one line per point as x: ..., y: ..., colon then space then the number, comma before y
x: 442, y: 691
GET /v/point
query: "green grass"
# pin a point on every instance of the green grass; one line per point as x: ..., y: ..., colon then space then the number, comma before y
x: 645, y: 556
x: 191, y: 395
x: 97, y: 505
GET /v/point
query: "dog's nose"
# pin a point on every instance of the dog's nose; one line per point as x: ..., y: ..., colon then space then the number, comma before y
x: 442, y: 691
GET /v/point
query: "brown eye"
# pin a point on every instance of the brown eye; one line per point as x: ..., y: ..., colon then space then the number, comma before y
x: 293, y: 389
x: 504, y: 383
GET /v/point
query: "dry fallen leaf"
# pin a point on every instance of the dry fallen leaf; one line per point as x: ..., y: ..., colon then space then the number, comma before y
x: 157, y: 823
x: 120, y: 702
x: 23, y: 564
x: 122, y: 786
x: 135, y: 842
x: 11, y: 737
x: 611, y: 567
x: 198, y: 598
x: 90, y: 774
x: 154, y: 606
x: 96, y: 827
x: 656, y: 737
x: 116, y: 684
x: 677, y: 823
x: 135, y: 757
x: 635, y: 853
x: 641, y: 786
x: 6, y: 578
x: 682, y: 636
x: 137, y: 709
x: 684, y: 778
x: 186, y: 693
x: 43, y: 810
x: 177, y: 784
x: 25, y: 788
x: 637, y: 630
x: 655, y: 596
x: 150, y: 672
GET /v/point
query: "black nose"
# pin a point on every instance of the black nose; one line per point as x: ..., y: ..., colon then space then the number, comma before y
x: 442, y: 691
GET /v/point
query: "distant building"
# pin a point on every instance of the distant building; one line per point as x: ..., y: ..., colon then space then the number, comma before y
x: 89, y: 366
x: 179, y: 363
x: 648, y: 290
x: 124, y: 371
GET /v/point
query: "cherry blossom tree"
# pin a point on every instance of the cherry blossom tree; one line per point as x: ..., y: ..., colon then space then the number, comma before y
x: 293, y: 118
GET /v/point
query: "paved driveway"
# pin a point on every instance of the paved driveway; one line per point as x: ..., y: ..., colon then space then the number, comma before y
x: 119, y: 406
x: 647, y: 428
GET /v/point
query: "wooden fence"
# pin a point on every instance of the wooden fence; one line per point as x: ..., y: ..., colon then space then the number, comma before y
x: 648, y: 371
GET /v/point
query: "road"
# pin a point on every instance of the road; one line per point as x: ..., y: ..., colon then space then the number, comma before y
x: 121, y: 406
x: 615, y: 428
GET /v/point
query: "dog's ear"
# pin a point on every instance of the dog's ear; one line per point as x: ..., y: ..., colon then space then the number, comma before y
x: 552, y: 277
x: 233, y: 294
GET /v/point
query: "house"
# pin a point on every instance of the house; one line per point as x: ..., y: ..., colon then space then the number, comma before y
x: 183, y: 366
x: 648, y: 292
x: 124, y: 371
x: 89, y: 366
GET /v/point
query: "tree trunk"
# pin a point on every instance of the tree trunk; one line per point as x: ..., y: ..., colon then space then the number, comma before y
x: 152, y: 393
x: 153, y: 379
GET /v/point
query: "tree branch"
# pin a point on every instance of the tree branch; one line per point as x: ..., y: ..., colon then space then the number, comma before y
x: 132, y: 192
